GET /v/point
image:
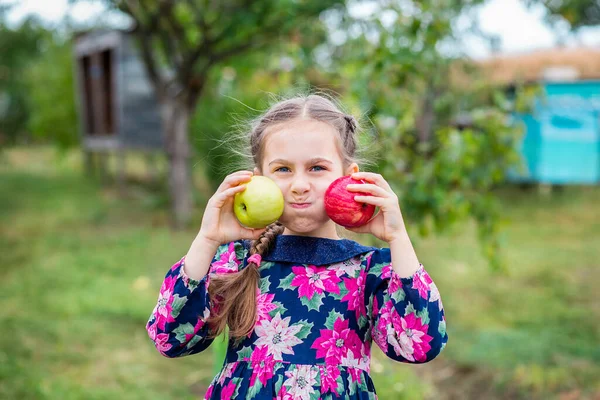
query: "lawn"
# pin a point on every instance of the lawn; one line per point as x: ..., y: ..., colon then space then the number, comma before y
x: 82, y: 265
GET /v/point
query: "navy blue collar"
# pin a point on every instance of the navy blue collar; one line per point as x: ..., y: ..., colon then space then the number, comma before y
x: 314, y: 250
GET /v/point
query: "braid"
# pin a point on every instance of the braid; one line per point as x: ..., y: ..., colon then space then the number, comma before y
x: 263, y: 244
x: 234, y: 295
x: 349, y: 137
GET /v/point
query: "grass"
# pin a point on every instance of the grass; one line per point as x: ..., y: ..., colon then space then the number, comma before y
x: 82, y: 264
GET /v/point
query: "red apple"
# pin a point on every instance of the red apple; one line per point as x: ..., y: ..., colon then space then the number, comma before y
x: 341, y: 207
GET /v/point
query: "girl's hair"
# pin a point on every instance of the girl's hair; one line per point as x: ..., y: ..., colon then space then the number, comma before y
x: 235, y: 294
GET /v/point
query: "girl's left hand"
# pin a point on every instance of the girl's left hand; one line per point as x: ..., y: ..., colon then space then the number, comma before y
x: 388, y: 224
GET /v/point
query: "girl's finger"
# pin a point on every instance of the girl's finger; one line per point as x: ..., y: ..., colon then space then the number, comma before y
x: 374, y: 178
x: 220, y: 198
x: 376, y: 201
x: 360, y: 229
x: 235, y: 179
x: 252, y: 233
x: 368, y: 188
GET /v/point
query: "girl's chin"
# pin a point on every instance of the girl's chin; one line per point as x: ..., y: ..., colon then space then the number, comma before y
x: 303, y: 226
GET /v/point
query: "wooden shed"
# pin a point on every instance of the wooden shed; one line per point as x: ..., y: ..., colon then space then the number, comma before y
x: 563, y: 64
x: 118, y: 110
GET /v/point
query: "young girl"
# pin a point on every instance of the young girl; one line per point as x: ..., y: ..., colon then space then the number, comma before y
x: 302, y: 305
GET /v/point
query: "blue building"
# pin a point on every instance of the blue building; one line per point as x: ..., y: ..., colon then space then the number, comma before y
x: 561, y: 144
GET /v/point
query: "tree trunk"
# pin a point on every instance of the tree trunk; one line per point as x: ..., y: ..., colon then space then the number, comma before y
x: 176, y: 118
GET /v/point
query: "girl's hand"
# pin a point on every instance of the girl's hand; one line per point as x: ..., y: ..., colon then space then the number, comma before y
x: 219, y: 223
x: 388, y: 223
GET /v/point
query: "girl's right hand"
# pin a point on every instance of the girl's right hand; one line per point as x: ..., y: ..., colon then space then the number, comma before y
x: 219, y: 223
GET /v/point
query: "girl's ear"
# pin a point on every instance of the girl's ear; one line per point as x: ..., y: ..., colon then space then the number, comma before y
x: 352, y: 169
x: 256, y: 171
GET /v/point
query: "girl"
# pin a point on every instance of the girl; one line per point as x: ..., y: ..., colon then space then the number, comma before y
x: 302, y: 305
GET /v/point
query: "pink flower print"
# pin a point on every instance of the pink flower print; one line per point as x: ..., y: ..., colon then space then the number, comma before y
x: 178, y: 263
x: 380, y: 331
x: 152, y: 330
x: 421, y: 282
x: 228, y: 391
x: 434, y: 295
x: 227, y: 263
x: 165, y: 303
x: 311, y: 279
x: 264, y: 305
x: 329, y: 374
x: 283, y: 394
x: 227, y: 372
x: 278, y: 336
x: 347, y: 267
x: 209, y: 391
x: 395, y: 284
x: 410, y: 338
x: 334, y: 344
x: 199, y: 324
x: 386, y: 271
x: 356, y: 295
x: 263, y: 365
x: 162, y: 344
x: 301, y: 381
x: 355, y: 367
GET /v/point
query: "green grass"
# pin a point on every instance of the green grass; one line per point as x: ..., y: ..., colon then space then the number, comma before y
x: 81, y: 267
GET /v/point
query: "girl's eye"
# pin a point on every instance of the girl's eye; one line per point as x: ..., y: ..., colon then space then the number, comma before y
x: 319, y: 168
x: 282, y: 169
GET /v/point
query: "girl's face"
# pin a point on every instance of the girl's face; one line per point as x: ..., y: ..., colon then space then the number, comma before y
x: 303, y: 159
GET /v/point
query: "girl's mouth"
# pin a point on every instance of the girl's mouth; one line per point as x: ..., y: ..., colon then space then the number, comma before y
x: 300, y: 205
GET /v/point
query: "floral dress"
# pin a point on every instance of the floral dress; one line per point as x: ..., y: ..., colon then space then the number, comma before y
x: 320, y: 305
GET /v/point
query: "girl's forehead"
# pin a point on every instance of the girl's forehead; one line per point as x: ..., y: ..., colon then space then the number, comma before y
x: 302, y: 141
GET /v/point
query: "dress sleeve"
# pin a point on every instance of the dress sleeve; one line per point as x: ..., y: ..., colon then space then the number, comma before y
x: 407, y: 316
x: 177, y: 325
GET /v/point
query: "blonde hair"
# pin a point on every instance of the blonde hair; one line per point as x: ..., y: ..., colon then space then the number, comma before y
x: 236, y: 293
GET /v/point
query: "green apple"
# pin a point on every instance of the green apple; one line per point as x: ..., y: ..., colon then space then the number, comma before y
x: 260, y: 204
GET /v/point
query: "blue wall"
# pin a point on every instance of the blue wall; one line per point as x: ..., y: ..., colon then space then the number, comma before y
x: 562, y: 139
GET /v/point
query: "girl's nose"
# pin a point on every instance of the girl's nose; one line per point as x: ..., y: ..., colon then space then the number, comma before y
x: 300, y: 186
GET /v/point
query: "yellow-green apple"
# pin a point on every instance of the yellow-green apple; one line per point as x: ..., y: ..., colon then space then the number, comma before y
x: 341, y: 207
x: 260, y: 204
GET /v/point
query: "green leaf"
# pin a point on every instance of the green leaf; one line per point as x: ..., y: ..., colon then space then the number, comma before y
x: 280, y: 309
x: 306, y: 328
x: 313, y: 303
x: 278, y: 383
x: 286, y: 283
x: 245, y: 353
x: 240, y: 251
x: 182, y: 330
x: 195, y: 339
x: 266, y: 265
x: 424, y: 315
x: 442, y: 328
x: 264, y: 284
x: 362, y: 321
x: 399, y: 295
x: 331, y: 318
x: 343, y: 291
x: 377, y: 269
x: 351, y: 385
x: 410, y: 309
x: 254, y: 389
x: 177, y: 305
x: 237, y: 382
x: 340, y: 384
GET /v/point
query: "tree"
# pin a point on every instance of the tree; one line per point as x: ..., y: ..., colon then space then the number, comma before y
x: 20, y: 44
x: 53, y: 71
x: 445, y: 136
x: 182, y: 41
x: 578, y: 13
